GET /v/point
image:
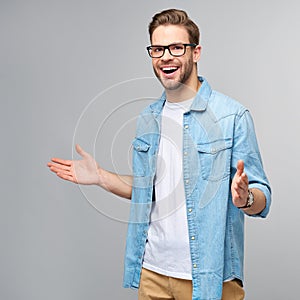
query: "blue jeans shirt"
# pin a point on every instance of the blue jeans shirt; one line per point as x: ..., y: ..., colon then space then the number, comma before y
x: 217, y: 132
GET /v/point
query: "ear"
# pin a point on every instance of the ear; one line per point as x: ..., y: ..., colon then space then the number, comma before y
x: 197, y: 53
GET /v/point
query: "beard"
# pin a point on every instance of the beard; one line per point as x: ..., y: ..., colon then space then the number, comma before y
x: 174, y: 84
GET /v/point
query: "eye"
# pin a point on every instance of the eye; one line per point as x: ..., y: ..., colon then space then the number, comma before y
x: 157, y: 49
x: 177, y: 47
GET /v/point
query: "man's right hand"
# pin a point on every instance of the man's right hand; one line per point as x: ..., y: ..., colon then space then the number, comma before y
x: 87, y: 171
x: 84, y: 171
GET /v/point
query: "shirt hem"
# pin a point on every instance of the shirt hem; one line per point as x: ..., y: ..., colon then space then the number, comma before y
x: 167, y: 273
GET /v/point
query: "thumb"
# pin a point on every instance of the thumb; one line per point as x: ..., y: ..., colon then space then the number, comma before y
x: 240, y: 167
x: 80, y: 151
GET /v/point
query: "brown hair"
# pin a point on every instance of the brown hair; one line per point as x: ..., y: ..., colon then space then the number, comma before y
x: 175, y: 17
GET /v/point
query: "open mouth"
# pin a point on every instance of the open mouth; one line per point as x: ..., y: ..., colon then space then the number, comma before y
x: 169, y: 70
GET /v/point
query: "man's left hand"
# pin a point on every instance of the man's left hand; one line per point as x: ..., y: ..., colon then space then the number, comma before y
x: 239, y: 186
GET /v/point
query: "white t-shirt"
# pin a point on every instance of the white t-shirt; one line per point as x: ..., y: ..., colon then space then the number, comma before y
x: 167, y: 250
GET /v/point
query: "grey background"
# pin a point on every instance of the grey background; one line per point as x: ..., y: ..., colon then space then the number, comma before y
x: 63, y: 72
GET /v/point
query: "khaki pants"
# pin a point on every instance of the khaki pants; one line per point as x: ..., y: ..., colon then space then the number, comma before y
x: 154, y: 286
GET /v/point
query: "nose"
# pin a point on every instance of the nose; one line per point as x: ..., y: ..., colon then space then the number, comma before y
x: 167, y: 55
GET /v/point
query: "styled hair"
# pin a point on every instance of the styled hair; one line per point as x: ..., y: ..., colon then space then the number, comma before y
x: 175, y: 17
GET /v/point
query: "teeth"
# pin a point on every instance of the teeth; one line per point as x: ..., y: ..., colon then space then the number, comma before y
x: 169, y: 68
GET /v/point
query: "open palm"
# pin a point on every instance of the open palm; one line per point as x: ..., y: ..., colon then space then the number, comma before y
x: 84, y: 171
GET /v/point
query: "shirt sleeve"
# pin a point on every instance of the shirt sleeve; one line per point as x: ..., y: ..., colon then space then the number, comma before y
x: 245, y: 147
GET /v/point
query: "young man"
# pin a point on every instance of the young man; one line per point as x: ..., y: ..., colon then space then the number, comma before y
x: 197, y: 171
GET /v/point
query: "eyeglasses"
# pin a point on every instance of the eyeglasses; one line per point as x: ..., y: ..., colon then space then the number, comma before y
x: 174, y: 49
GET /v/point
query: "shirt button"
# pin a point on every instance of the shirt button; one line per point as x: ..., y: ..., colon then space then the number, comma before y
x: 190, y: 209
x: 192, y: 237
x: 194, y: 265
x: 187, y: 181
x: 186, y: 126
x: 185, y: 153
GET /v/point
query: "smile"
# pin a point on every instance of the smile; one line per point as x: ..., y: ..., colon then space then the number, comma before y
x: 169, y: 70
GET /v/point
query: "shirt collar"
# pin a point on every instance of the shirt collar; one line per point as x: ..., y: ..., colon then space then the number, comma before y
x: 201, y: 100
x: 199, y: 103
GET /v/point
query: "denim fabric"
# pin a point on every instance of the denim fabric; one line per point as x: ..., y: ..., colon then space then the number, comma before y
x: 217, y: 132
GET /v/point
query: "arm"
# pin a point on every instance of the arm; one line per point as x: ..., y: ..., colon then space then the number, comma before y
x: 239, y: 190
x: 87, y: 171
x: 254, y: 178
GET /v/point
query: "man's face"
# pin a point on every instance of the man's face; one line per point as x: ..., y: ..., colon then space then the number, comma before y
x: 174, y: 71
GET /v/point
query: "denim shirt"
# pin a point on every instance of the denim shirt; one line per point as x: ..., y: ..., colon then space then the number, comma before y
x: 217, y: 132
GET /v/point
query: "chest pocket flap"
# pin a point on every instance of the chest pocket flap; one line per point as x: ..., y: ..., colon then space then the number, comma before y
x: 140, y: 145
x: 141, y: 158
x: 215, y: 158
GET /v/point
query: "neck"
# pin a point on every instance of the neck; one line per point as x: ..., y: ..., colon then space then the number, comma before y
x: 184, y: 91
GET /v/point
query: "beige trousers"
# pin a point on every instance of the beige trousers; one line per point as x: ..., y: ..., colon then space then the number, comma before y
x: 154, y: 286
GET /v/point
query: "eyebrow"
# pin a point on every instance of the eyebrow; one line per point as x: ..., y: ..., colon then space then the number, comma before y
x: 174, y: 43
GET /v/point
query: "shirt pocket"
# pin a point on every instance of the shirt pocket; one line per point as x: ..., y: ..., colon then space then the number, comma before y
x: 215, y: 159
x: 140, y: 157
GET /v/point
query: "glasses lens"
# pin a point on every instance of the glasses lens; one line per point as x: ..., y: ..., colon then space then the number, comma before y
x: 177, y: 50
x: 156, y: 51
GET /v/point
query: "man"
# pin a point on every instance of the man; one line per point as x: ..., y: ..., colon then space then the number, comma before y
x: 197, y: 171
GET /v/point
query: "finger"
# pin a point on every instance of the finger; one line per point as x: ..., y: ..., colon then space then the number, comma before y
x: 59, y: 166
x: 61, y: 161
x: 60, y: 170
x: 239, y: 190
x: 241, y: 185
x: 244, y: 178
x: 66, y: 177
x: 242, y: 188
x: 236, y: 195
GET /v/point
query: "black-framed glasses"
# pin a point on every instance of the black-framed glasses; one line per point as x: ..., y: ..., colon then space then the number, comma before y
x: 174, y: 49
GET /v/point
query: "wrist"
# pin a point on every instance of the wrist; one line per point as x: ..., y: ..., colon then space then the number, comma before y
x: 249, y: 202
x: 102, y: 178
